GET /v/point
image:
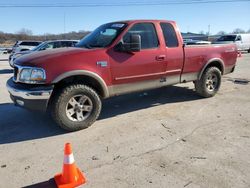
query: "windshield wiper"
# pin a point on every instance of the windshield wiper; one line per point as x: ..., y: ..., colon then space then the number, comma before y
x: 90, y: 46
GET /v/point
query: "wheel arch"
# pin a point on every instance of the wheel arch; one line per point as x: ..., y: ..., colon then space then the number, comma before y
x: 214, y: 62
x: 89, y: 78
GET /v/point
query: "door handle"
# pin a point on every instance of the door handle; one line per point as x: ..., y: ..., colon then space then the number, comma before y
x: 160, y: 57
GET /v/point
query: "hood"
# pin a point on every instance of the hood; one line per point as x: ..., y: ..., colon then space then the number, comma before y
x: 40, y: 57
x: 24, y: 52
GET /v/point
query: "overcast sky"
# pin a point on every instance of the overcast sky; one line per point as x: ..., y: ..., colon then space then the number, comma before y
x: 190, y: 17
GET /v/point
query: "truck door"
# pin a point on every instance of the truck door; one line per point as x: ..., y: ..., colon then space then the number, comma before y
x: 145, y: 65
x: 174, y: 53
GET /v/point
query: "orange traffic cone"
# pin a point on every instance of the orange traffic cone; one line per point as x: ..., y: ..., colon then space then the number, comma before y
x: 71, y: 176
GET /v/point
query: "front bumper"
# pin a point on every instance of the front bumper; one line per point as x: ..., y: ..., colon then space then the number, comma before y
x: 32, y: 97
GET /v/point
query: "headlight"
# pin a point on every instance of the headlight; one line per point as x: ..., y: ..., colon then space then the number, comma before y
x: 32, y: 75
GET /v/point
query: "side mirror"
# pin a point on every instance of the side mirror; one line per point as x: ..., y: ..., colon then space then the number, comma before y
x: 135, y: 43
x: 133, y: 46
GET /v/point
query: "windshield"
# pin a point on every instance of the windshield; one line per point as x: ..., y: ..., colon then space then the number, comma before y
x: 103, y: 36
x: 227, y: 38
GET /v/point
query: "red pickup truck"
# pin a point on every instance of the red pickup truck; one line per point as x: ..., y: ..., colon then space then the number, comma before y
x: 116, y: 58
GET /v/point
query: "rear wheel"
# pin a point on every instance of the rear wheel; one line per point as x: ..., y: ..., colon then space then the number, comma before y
x: 210, y: 82
x: 248, y: 51
x: 76, y: 107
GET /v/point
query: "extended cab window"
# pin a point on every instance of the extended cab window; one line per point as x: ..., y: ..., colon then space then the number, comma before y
x: 148, y: 35
x: 169, y: 35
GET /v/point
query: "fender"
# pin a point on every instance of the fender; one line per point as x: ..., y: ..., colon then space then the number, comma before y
x: 84, y: 73
x: 211, y: 61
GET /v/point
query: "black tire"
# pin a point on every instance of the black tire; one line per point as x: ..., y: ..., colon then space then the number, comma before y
x: 210, y: 82
x: 248, y: 51
x: 61, y: 101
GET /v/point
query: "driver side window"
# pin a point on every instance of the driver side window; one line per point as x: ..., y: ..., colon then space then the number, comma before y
x: 147, y: 32
x: 49, y: 46
x: 238, y: 38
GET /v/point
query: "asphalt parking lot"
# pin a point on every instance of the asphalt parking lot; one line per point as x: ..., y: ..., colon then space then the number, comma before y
x: 167, y: 137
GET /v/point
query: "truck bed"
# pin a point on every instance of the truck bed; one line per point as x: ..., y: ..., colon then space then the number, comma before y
x: 196, y: 56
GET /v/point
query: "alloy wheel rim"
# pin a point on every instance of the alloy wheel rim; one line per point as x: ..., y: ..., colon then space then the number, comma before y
x: 212, y: 82
x: 79, y: 108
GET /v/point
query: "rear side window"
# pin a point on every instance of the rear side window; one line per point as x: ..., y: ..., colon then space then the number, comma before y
x: 74, y: 43
x: 148, y: 35
x: 227, y: 38
x: 57, y: 44
x: 67, y: 44
x: 29, y: 43
x: 169, y: 33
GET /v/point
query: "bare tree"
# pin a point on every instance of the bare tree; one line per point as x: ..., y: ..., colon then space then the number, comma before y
x: 26, y: 34
x: 24, y: 31
x: 202, y: 32
x: 2, y: 37
x: 238, y: 30
x: 221, y: 33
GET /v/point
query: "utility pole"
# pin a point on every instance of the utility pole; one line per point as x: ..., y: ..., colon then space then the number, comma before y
x: 208, y: 32
x: 64, y: 24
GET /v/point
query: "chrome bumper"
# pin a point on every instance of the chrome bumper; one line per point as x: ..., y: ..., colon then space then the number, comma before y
x: 29, y: 96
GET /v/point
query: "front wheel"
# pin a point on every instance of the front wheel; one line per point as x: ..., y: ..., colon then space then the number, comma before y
x: 210, y: 82
x: 76, y: 107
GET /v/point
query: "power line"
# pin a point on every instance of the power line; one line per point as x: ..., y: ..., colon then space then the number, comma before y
x: 136, y: 3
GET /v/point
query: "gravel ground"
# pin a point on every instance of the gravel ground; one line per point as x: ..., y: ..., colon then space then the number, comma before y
x: 167, y: 137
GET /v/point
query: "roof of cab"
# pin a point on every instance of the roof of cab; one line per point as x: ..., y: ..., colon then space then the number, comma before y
x: 143, y: 20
